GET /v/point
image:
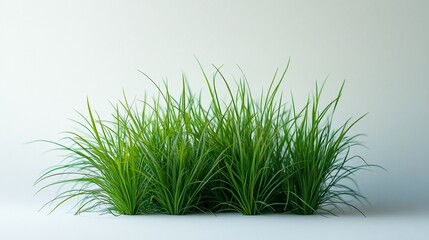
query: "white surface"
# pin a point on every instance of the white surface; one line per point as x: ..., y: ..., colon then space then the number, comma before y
x: 21, y: 224
x: 53, y: 54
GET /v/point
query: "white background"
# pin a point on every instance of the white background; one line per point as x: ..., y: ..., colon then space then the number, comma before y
x: 54, y: 54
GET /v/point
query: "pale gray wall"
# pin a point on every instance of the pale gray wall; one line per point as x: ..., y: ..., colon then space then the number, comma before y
x: 55, y: 53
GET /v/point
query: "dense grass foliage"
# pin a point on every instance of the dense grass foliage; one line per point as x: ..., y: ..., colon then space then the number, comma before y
x: 174, y: 146
x: 246, y: 134
x: 318, y: 158
x: 102, y: 168
x: 243, y: 154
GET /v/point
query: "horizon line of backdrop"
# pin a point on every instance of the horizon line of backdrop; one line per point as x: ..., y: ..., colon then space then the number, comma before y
x: 54, y: 54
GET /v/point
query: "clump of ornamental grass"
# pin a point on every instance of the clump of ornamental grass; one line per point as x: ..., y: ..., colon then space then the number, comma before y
x: 246, y: 134
x: 173, y: 155
x: 319, y: 160
x: 174, y: 148
x: 102, y: 168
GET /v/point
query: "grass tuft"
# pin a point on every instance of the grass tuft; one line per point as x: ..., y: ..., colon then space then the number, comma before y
x: 242, y: 154
x: 246, y: 134
x: 102, y: 168
x: 318, y: 156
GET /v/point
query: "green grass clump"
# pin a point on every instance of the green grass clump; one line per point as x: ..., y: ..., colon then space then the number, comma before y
x: 318, y: 156
x: 174, y: 155
x: 102, y: 168
x: 246, y: 134
x: 174, y: 148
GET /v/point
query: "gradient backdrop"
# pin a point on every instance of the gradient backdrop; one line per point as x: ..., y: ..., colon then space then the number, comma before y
x: 54, y: 54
